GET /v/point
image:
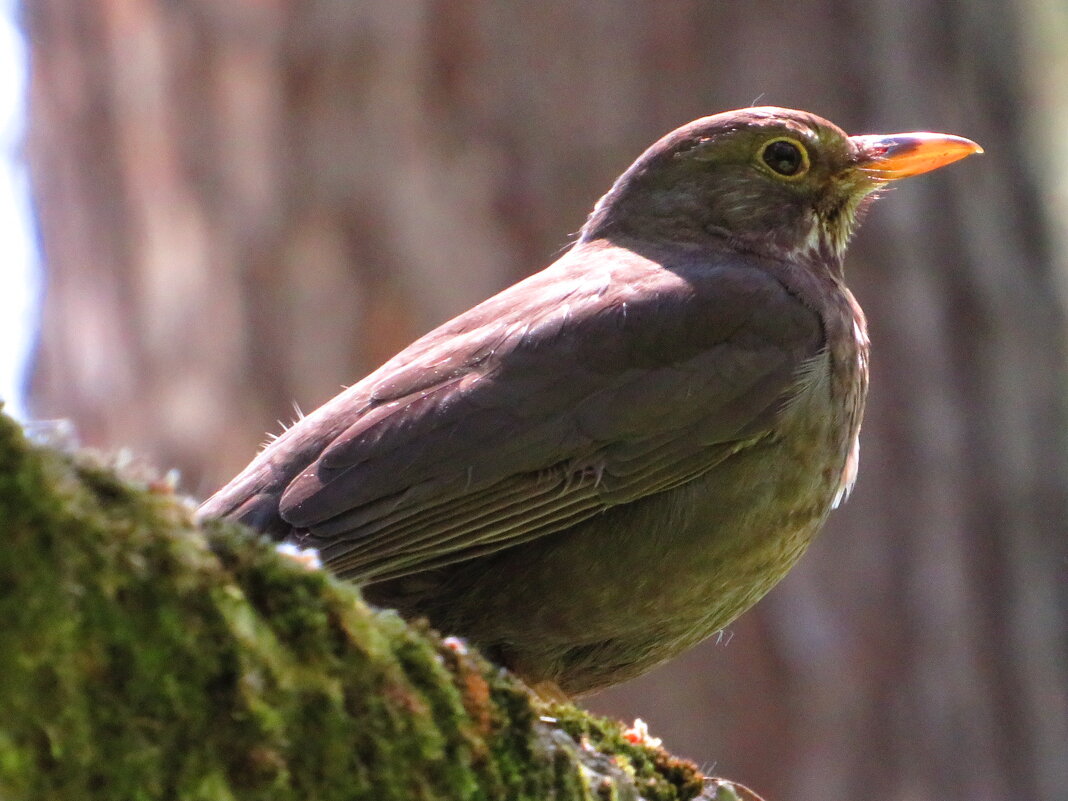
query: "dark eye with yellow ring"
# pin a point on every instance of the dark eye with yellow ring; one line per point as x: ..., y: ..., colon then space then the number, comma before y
x: 785, y: 157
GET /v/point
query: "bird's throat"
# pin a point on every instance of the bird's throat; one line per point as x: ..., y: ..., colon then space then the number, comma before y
x: 831, y: 228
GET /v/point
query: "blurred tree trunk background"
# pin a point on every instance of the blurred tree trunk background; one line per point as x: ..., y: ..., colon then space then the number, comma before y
x: 246, y: 203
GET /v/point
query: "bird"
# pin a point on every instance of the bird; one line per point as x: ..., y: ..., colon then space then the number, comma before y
x: 609, y: 461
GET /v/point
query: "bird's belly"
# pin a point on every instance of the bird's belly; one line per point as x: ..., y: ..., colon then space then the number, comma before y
x: 638, y: 584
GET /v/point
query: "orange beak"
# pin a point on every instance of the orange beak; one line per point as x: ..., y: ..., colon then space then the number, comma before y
x: 887, y: 158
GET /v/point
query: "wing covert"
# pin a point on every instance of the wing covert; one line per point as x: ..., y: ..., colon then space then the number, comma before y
x: 494, y: 430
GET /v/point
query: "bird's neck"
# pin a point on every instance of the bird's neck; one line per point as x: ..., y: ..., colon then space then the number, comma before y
x: 821, y: 257
x: 819, y: 245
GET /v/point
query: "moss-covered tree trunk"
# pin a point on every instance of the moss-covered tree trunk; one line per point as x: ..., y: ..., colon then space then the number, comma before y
x: 144, y: 658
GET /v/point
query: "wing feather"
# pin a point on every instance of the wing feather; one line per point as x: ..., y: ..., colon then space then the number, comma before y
x: 592, y: 384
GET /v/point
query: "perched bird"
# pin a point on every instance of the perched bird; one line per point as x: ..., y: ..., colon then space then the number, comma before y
x: 611, y: 460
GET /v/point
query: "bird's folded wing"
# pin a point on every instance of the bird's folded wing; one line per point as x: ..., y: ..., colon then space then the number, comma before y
x: 502, y: 427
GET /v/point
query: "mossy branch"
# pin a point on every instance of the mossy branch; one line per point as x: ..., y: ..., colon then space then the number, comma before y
x: 142, y: 657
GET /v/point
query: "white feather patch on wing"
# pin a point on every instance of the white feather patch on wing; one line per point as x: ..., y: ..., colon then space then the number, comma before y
x: 849, y: 474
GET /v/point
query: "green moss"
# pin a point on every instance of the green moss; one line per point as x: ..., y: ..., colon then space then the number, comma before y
x: 145, y: 658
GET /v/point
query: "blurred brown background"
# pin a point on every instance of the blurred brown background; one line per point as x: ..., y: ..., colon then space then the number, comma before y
x: 247, y: 203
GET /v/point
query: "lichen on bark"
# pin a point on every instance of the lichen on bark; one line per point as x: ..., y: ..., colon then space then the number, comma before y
x: 144, y: 657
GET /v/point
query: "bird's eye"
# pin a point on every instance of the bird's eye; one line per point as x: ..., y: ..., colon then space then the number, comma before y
x: 787, y: 157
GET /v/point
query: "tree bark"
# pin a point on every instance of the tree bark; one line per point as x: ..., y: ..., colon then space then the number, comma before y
x: 243, y: 204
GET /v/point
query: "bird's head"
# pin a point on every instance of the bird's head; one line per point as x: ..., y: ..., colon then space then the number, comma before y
x: 772, y: 181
